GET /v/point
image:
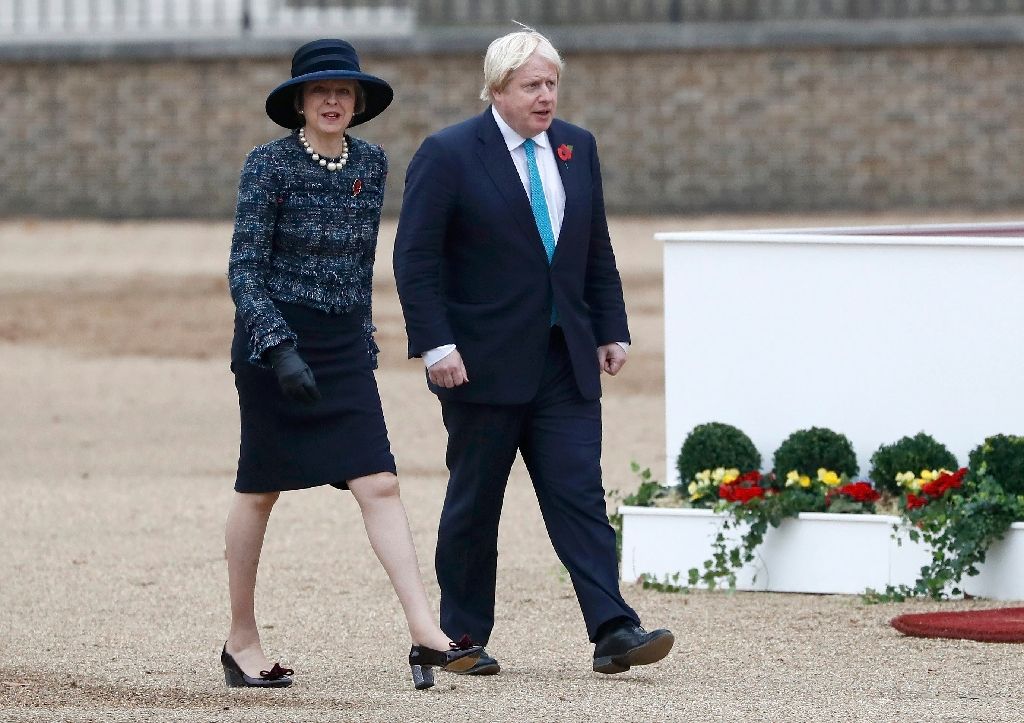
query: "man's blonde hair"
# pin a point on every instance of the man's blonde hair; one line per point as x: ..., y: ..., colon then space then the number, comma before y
x: 509, y: 52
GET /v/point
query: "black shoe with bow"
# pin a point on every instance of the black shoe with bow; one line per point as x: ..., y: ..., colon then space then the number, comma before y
x: 235, y: 677
x: 422, y: 660
x: 628, y: 644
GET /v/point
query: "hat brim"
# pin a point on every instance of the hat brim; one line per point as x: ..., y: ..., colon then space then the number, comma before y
x: 281, y: 101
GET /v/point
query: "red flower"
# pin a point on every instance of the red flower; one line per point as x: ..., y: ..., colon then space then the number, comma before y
x: 565, y: 152
x: 913, y: 501
x: 735, y: 493
x: 745, y: 494
x: 945, y: 482
x: 357, y: 187
x: 936, y: 488
x: 752, y: 476
x: 859, y: 492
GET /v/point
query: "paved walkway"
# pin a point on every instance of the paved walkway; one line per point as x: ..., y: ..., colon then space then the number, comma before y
x: 117, y: 449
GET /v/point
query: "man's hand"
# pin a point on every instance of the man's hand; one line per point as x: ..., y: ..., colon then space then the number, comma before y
x: 448, y: 372
x: 611, y: 358
x: 293, y: 375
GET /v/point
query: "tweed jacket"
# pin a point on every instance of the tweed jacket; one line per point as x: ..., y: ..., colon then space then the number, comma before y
x: 304, y: 235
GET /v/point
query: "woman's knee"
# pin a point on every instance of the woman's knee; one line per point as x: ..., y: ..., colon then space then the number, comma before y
x: 375, y: 486
x: 258, y: 501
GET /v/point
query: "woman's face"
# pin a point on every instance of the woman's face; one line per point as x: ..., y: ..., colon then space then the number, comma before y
x: 328, y: 105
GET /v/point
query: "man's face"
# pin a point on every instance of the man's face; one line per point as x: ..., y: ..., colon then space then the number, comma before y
x: 527, y: 103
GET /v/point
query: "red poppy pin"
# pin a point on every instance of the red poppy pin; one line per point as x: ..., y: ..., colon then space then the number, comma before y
x: 565, y: 152
x: 357, y: 187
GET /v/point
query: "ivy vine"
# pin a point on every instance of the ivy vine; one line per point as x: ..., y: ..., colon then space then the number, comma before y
x: 959, y: 528
x: 756, y: 515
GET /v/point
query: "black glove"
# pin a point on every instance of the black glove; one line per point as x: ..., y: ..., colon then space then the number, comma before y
x: 293, y: 374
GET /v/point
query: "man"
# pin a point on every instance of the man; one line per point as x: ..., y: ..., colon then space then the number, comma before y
x: 512, y: 298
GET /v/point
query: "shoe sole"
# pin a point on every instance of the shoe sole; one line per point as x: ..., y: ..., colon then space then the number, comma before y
x: 462, y: 665
x: 490, y: 669
x: 234, y: 680
x: 650, y: 652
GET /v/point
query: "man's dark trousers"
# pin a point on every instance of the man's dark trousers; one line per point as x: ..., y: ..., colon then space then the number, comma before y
x: 558, y: 434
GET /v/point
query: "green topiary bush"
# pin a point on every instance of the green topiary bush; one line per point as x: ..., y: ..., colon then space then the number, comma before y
x: 807, y: 450
x: 713, y: 445
x: 909, y: 454
x: 1002, y: 457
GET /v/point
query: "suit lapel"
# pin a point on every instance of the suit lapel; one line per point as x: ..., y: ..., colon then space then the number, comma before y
x: 498, y: 162
x: 569, y: 183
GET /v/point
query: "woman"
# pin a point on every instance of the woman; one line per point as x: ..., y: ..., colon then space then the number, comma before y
x: 303, y: 354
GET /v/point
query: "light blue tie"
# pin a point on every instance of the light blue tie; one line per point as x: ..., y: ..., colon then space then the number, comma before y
x: 540, y: 209
x: 537, y: 201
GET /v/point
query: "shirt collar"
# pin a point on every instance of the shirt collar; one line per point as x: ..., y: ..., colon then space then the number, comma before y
x: 512, y: 139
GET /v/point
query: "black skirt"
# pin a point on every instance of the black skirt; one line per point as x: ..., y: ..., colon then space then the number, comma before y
x: 288, y: 445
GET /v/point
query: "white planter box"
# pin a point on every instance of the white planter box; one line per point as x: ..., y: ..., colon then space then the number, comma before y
x: 815, y: 553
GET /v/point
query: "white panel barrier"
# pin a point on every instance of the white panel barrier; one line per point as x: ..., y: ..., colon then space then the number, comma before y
x: 876, y: 333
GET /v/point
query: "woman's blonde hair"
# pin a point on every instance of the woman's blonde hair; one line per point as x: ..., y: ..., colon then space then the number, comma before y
x: 509, y: 52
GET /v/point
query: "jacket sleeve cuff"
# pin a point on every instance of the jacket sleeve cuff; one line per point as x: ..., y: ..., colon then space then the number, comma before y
x: 259, y: 344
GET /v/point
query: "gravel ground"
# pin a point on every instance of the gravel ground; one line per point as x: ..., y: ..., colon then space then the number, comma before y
x: 117, y: 453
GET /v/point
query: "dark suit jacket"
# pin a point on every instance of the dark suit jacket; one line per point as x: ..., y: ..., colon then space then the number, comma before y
x: 471, y: 268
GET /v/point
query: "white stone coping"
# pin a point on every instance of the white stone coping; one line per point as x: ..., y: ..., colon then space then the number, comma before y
x: 909, y: 235
x: 823, y: 516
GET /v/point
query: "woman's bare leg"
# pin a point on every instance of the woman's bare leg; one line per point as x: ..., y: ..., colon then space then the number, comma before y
x: 387, y: 528
x: 243, y: 539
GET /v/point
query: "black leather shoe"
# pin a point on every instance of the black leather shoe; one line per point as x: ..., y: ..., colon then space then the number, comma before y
x: 276, y: 677
x: 422, y: 660
x: 486, y: 665
x: 629, y: 645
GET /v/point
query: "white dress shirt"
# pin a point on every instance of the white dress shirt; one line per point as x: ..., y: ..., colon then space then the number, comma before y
x: 554, y: 191
x: 554, y: 196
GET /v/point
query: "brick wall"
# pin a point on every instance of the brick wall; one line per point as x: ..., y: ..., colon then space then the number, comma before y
x: 679, y: 131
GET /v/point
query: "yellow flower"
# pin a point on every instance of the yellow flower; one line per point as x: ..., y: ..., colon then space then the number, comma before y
x: 904, y: 478
x: 703, y: 477
x: 828, y: 477
x: 912, y: 483
x: 794, y: 478
x: 692, y: 489
x: 718, y: 474
x: 730, y: 476
x: 929, y: 474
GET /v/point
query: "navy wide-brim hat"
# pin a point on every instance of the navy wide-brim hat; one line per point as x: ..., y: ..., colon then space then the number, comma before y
x: 327, y: 59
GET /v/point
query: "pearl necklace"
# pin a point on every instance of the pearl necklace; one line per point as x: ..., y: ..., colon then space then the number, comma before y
x: 331, y: 164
